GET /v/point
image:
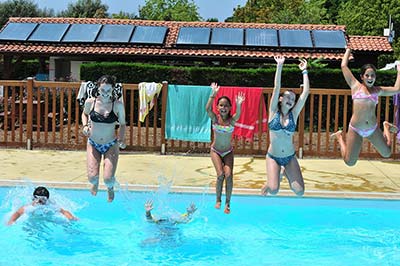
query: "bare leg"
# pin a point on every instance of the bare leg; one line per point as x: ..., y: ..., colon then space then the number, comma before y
x: 218, y: 164
x: 273, y: 180
x: 218, y: 190
x: 350, y: 150
x: 381, y: 142
x: 295, y: 177
x: 110, y: 167
x: 93, y: 158
x: 388, y: 130
x: 228, y: 193
x: 228, y: 170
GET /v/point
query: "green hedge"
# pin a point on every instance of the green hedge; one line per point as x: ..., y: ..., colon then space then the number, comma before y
x: 263, y: 77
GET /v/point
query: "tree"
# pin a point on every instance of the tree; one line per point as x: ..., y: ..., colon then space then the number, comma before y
x: 123, y: 15
x: 176, y: 10
x: 85, y: 9
x: 277, y: 11
x: 21, y: 8
x: 364, y: 17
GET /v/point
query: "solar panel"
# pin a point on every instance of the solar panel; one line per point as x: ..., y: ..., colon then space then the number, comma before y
x: 17, y: 31
x: 82, y: 33
x: 49, y: 32
x: 227, y: 36
x: 262, y: 37
x: 189, y: 35
x: 115, y: 33
x: 295, y: 38
x: 329, y: 39
x: 149, y: 34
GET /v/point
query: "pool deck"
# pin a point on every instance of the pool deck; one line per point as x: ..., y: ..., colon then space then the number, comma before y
x: 195, y: 173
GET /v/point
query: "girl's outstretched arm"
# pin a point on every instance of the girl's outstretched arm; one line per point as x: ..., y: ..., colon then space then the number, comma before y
x: 239, y: 100
x: 214, y: 90
x: 348, y: 76
x: 388, y: 91
x: 273, y: 105
x: 306, y: 89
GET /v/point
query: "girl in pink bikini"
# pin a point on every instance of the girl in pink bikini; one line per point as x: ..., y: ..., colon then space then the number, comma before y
x: 221, y: 147
x: 363, y: 122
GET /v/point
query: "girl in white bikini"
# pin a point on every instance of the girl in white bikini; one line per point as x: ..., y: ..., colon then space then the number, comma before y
x: 363, y: 122
x: 221, y: 147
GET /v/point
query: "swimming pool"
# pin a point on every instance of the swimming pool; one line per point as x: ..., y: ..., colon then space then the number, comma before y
x: 259, y: 231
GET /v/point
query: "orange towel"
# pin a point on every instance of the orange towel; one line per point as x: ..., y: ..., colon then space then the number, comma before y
x: 248, y: 123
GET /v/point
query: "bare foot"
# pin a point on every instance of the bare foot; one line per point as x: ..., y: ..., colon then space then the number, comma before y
x: 391, y: 128
x: 337, y: 134
x: 218, y: 205
x: 227, y: 209
x: 110, y: 192
x: 264, y: 190
x: 94, y: 189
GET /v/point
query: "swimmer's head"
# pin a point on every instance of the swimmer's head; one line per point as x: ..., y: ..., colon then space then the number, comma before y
x: 41, y: 195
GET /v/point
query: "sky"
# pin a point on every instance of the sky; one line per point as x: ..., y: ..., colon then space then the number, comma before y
x: 220, y: 9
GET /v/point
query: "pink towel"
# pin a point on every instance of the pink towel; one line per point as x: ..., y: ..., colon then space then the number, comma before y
x: 248, y: 123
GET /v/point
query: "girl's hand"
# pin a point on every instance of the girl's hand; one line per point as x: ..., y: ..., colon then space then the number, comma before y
x: 398, y: 67
x: 303, y: 64
x: 148, y: 206
x: 86, y: 130
x: 279, y: 59
x: 215, y: 88
x: 240, y: 98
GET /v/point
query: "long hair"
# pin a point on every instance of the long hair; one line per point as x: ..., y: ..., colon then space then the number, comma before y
x: 105, y: 79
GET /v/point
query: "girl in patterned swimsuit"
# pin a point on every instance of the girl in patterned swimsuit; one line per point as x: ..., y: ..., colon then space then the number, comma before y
x: 283, y: 114
x: 363, y: 122
x: 99, y: 118
x: 221, y: 147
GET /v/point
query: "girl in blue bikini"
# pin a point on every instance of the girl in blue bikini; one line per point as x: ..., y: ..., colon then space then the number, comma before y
x: 99, y: 118
x: 283, y: 114
x: 363, y: 122
x: 221, y: 147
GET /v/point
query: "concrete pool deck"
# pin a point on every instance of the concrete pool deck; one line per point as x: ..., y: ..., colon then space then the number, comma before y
x: 195, y: 173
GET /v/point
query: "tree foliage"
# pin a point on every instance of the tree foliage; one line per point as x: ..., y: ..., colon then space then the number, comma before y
x: 86, y: 9
x: 21, y: 8
x: 277, y: 11
x: 170, y: 10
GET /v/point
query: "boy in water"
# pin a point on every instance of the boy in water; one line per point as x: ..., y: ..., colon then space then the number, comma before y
x: 40, y: 197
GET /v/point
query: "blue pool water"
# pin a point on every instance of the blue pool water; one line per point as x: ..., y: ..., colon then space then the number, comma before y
x: 259, y: 231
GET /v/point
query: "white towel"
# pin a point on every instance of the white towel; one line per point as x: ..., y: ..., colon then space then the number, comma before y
x: 147, y: 93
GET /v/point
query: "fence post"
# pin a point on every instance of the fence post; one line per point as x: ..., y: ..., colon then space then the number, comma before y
x: 29, y: 112
x: 163, y: 115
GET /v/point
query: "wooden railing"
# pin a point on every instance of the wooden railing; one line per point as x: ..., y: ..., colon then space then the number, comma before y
x: 41, y: 114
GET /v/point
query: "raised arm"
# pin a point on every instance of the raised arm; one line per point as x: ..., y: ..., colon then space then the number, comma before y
x: 273, y: 105
x: 148, y: 206
x: 68, y: 215
x: 214, y: 90
x: 306, y: 89
x: 16, y: 215
x: 388, y: 91
x: 239, y: 100
x: 348, y: 76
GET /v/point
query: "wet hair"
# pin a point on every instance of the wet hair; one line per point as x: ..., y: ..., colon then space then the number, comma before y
x: 228, y: 100
x: 41, y: 192
x: 365, y: 67
x: 105, y: 79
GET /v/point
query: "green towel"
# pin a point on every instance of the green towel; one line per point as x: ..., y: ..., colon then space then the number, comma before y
x: 186, y: 117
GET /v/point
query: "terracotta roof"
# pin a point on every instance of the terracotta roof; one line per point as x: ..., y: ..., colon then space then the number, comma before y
x: 170, y: 50
x: 370, y: 43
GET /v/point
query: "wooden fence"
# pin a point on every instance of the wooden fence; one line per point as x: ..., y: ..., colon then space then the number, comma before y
x: 41, y: 114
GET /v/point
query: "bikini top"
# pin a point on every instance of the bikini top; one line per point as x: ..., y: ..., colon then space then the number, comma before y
x: 275, y: 123
x: 223, y: 129
x: 359, y: 94
x: 99, y: 118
